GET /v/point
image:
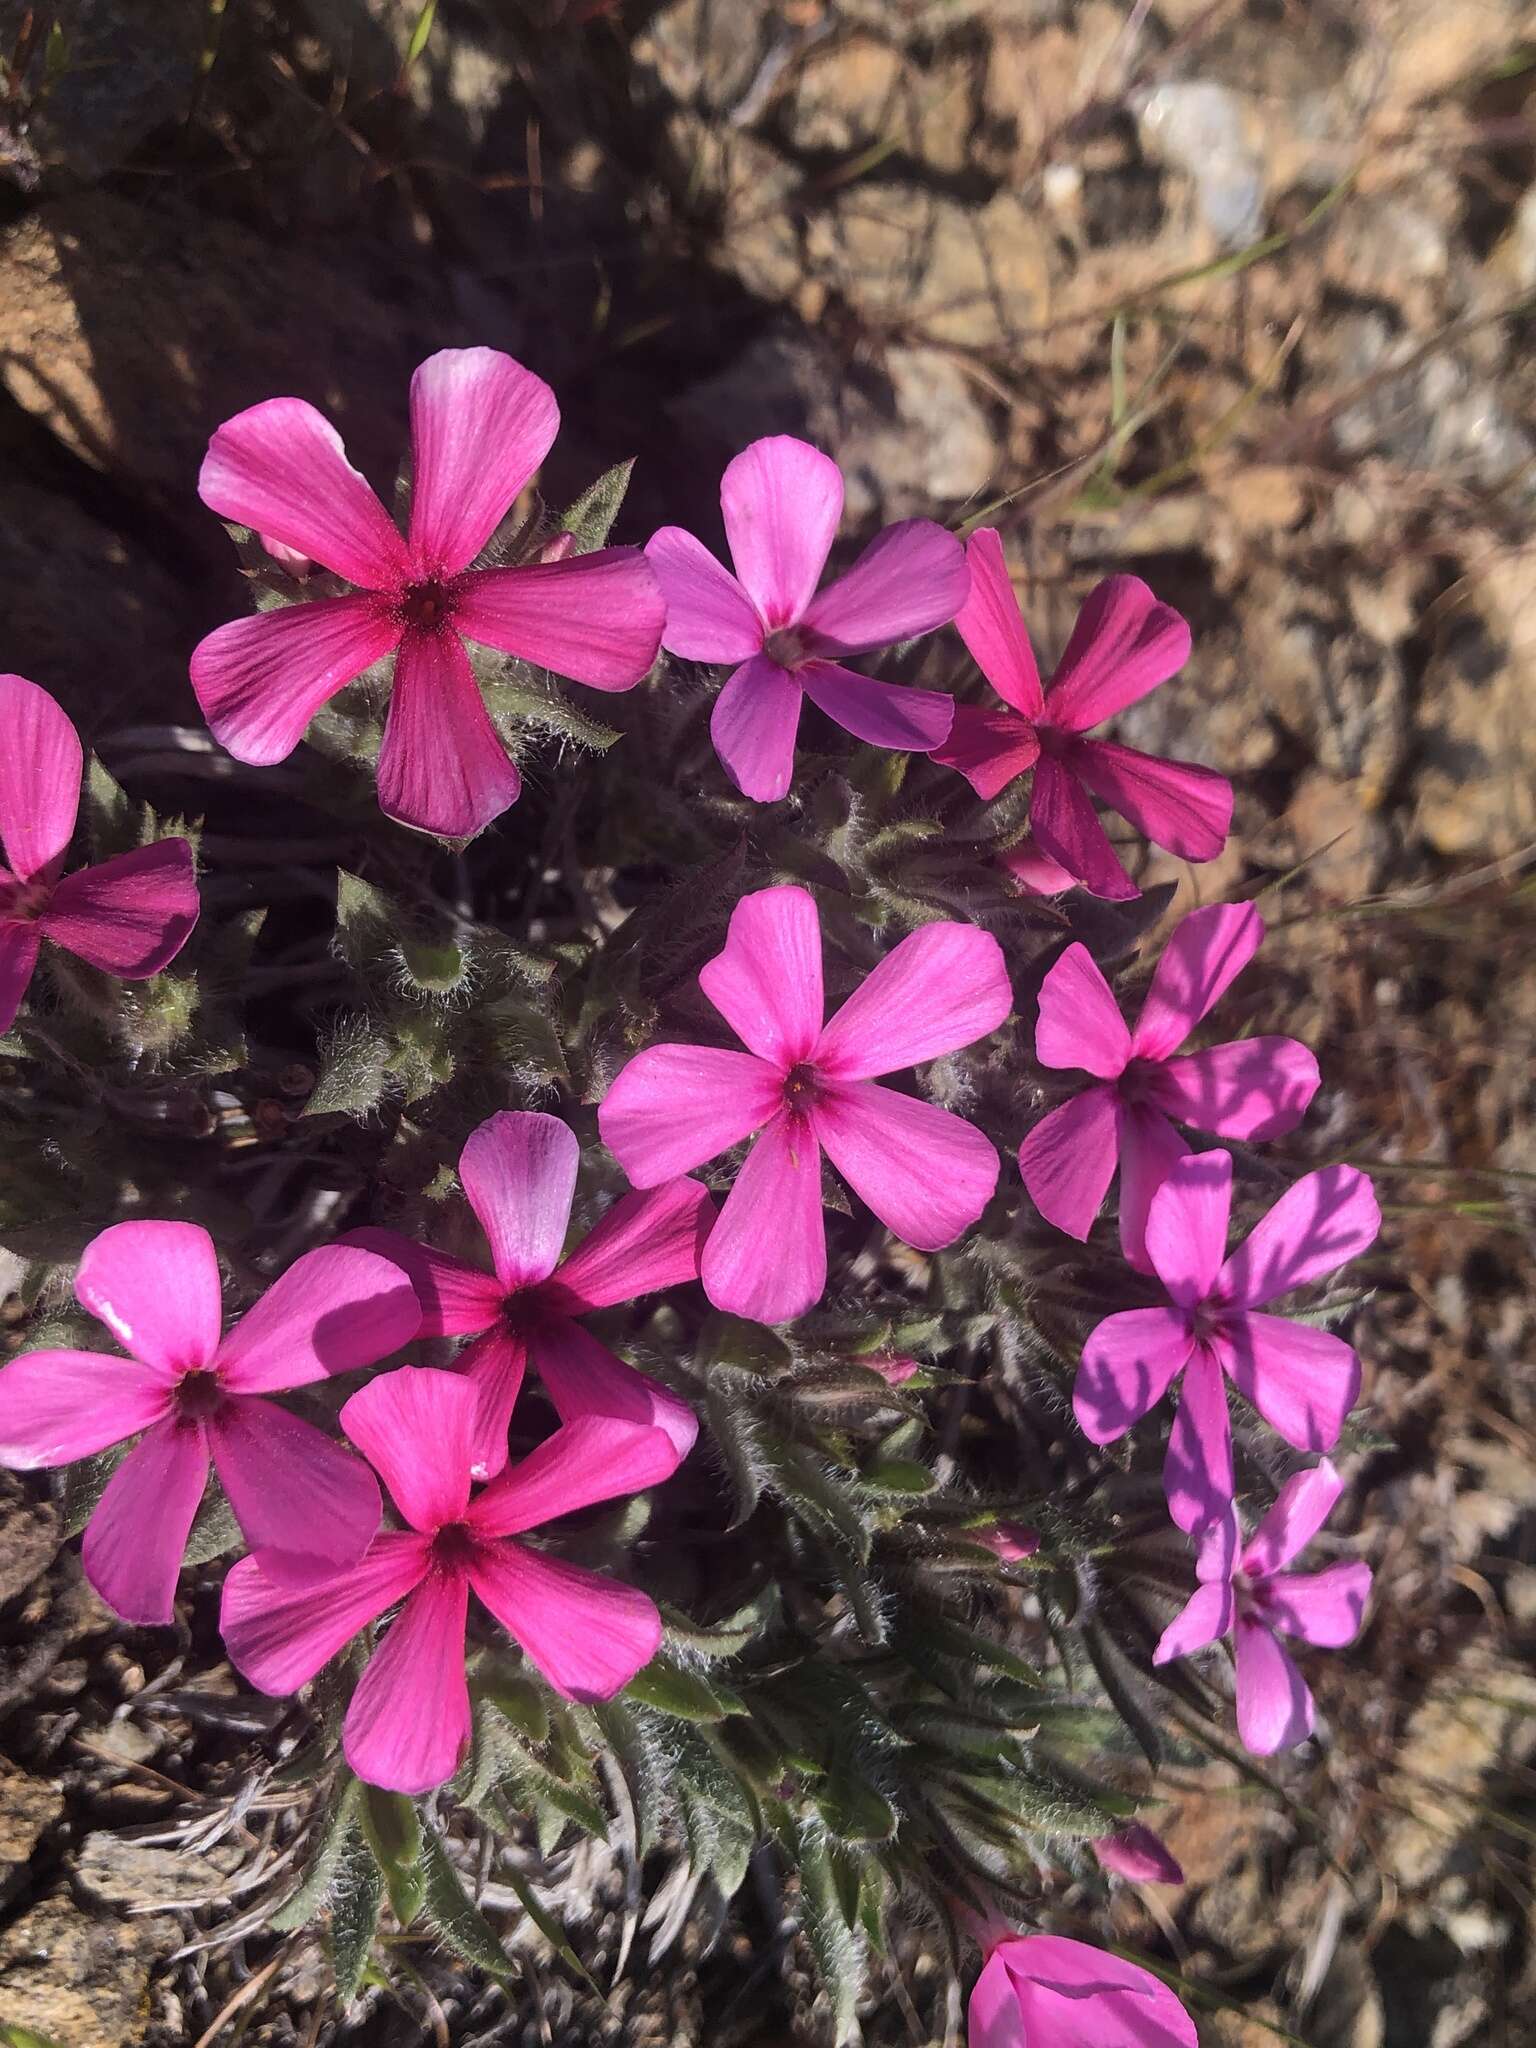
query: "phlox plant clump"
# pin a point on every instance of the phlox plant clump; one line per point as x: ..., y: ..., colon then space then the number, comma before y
x: 600, y: 1199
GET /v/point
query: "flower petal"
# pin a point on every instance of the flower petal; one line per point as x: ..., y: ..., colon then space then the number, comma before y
x: 1080, y: 1022
x: 596, y: 618
x: 1187, y: 1225
x: 56, y: 1406
x: 278, y: 1636
x: 911, y: 578
x: 409, y: 1721
x: 709, y: 615
x: 1320, y: 1223
x: 989, y: 748
x: 674, y: 1106
x: 587, y: 1634
x: 1072, y: 1995
x: 993, y: 2018
x: 1301, y: 1507
x: 156, y: 1287
x: 1205, y: 1618
x: 442, y: 766
x: 766, y: 981
x: 925, y: 1172
x: 457, y: 1299
x: 1129, y: 1362
x: 1203, y: 957
x: 259, y: 681
x: 40, y: 767
x: 583, y: 1378
x: 1302, y: 1380
x: 766, y: 1258
x: 480, y: 426
x: 1197, y: 1471
x: 135, y: 1541
x: 1124, y: 644
x: 594, y: 1458
x: 646, y: 1241
x: 992, y: 626
x: 280, y: 467
x: 884, y: 714
x: 518, y: 1171
x: 1150, y: 1148
x: 496, y: 1364
x: 131, y: 915
x: 1250, y: 1088
x: 1325, y: 1608
x: 1067, y: 828
x: 943, y: 987
x: 416, y: 1428
x: 1068, y: 1160
x: 294, y: 1490
x: 335, y: 1309
x: 781, y: 500
x: 753, y: 727
x: 19, y: 942
x: 1187, y: 809
x: 1274, y: 1707
x: 1136, y: 1853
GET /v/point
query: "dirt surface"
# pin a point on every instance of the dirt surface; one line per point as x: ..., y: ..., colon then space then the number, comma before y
x: 1236, y: 296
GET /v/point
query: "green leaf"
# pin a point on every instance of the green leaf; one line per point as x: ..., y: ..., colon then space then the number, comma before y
x: 15, y: 2036
x: 357, y: 1893
x: 112, y: 817
x: 852, y: 1809
x: 515, y: 702
x: 548, y: 1925
x: 419, y: 35
x: 437, y: 968
x: 899, y: 1475
x: 457, y: 1918
x: 83, y: 1485
x: 1134, y: 1699
x: 366, y: 921
x: 215, y: 1531
x: 393, y: 1828
x: 341, y: 1828
x: 838, y: 1950
x: 684, y: 1695
x: 591, y: 518
x: 354, y: 1070
x: 515, y: 1697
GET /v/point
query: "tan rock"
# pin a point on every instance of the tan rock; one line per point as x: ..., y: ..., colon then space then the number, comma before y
x: 28, y: 1808
x: 1477, y: 738
x: 78, y: 1979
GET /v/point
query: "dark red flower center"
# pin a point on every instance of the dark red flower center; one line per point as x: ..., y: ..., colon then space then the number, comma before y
x: 1135, y: 1083
x: 786, y: 645
x: 27, y: 899
x: 802, y: 1085
x: 198, y: 1395
x: 429, y: 605
x: 454, y: 1545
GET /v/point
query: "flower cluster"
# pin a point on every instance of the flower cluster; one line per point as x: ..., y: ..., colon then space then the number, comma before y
x: 425, y: 1503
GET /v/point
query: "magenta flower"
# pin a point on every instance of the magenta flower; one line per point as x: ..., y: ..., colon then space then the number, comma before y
x: 1011, y: 1542
x: 409, y: 1719
x: 1136, y: 1853
x: 807, y: 1087
x: 518, y: 1171
x: 480, y: 426
x: 1044, y: 1991
x: 1252, y: 1597
x: 1124, y: 644
x: 304, y: 1504
x: 1302, y: 1380
x: 1249, y: 1088
x: 782, y: 501
x: 129, y: 916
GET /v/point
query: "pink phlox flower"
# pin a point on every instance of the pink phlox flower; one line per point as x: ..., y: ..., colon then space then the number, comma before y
x: 1033, y: 869
x: 807, y: 1086
x: 1135, y: 1852
x: 129, y: 916
x: 1302, y: 1380
x: 1248, y: 1088
x: 480, y: 427
x: 1124, y: 644
x: 1249, y: 1595
x: 518, y: 1171
x: 409, y: 1719
x: 1046, y: 1991
x: 303, y: 1502
x: 782, y: 501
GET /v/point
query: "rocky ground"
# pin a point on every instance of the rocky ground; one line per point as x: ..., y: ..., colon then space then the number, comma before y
x: 1238, y: 296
